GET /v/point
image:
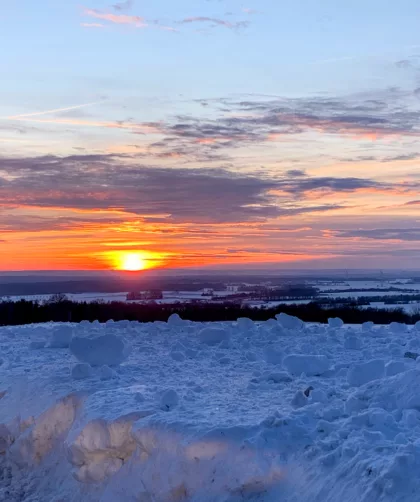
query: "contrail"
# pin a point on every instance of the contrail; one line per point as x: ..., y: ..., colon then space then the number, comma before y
x: 48, y: 112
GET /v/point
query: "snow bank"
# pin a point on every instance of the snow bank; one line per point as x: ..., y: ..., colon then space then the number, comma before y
x: 103, y: 350
x: 311, y: 413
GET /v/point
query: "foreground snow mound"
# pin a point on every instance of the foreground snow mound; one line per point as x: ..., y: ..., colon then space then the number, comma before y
x: 171, y: 468
x: 106, y: 350
x: 296, y: 364
x: 102, y: 447
x: 47, y: 431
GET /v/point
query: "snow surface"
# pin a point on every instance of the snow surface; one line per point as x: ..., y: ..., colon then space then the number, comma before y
x: 224, y: 412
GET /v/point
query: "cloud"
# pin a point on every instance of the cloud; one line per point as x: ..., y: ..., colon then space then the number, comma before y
x: 398, y: 234
x: 121, y: 6
x: 106, y: 182
x: 215, y: 22
x: 137, y: 21
x: 50, y: 112
x: 92, y: 25
x: 247, y: 10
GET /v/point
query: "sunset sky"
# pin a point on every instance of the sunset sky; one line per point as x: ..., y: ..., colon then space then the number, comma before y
x: 185, y: 133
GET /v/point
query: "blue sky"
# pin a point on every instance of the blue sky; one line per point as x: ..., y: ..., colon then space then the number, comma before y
x: 317, y: 104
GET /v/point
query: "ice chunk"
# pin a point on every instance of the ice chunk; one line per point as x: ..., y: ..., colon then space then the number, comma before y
x: 311, y: 365
x: 213, y: 336
x: 98, y: 351
x: 81, y: 371
x: 61, y: 337
x: 169, y: 400
x: 289, y: 322
x: 335, y: 322
x: 363, y: 373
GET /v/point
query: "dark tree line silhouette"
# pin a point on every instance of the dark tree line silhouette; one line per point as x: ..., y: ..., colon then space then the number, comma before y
x: 59, y: 309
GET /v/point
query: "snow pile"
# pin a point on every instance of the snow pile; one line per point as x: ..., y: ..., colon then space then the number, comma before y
x: 270, y: 411
x: 107, y: 350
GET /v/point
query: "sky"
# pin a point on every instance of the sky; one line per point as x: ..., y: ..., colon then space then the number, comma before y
x: 184, y: 133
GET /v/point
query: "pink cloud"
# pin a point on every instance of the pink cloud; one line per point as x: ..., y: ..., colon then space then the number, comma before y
x: 137, y: 21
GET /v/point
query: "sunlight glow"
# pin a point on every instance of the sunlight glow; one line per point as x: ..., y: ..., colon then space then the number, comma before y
x: 132, y: 261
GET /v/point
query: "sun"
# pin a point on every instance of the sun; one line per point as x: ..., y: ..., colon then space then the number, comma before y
x: 132, y: 262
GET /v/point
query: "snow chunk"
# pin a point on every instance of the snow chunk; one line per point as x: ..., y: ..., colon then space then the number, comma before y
x: 213, y: 336
x: 311, y: 365
x: 175, y: 321
x: 106, y: 373
x: 61, y: 337
x: 366, y: 372
x: 245, y: 324
x: 299, y: 400
x: 335, y: 322
x: 352, y: 343
x: 394, y: 367
x: 417, y: 326
x: 106, y: 350
x: 81, y: 371
x: 367, y: 326
x: 397, y: 327
x: 169, y: 400
x: 289, y: 321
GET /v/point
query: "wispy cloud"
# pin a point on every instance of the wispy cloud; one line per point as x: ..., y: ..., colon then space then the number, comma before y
x: 49, y: 112
x: 137, y: 21
x: 215, y: 22
x: 121, y: 6
x: 247, y: 10
x: 92, y: 25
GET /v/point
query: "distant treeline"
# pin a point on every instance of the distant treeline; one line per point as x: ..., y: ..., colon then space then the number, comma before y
x: 62, y: 310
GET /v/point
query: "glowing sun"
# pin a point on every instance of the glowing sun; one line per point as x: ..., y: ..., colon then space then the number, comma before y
x: 132, y: 262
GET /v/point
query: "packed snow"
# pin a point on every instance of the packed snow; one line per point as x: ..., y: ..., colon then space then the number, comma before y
x: 210, y: 412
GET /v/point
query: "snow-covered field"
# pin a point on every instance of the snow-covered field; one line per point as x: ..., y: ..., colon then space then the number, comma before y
x: 273, y: 411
